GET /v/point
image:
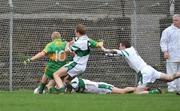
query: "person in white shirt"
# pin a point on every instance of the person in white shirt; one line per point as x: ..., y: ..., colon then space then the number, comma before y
x: 81, y: 49
x: 147, y: 74
x: 170, y: 46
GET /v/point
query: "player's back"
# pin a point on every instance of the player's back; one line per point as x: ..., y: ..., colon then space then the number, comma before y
x: 134, y: 59
x: 88, y: 86
x: 56, y: 54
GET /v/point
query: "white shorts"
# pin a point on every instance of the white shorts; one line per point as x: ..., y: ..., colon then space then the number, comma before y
x: 149, y: 75
x: 98, y: 88
x: 75, y: 69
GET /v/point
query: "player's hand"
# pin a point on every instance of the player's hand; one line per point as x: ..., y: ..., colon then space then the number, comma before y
x: 100, y: 43
x: 166, y: 55
x: 26, y: 61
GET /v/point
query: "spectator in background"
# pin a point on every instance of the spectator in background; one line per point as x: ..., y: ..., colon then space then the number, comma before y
x: 170, y: 46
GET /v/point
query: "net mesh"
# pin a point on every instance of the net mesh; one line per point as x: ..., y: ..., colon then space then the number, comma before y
x: 138, y: 21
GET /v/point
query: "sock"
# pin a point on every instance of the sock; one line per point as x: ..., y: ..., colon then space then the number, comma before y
x: 41, y: 87
x: 53, y: 90
x: 154, y: 91
x: 61, y: 90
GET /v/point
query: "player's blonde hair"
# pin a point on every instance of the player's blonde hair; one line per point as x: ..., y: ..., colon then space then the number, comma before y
x: 55, y: 35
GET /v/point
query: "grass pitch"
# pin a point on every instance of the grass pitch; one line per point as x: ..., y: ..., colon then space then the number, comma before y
x: 27, y: 101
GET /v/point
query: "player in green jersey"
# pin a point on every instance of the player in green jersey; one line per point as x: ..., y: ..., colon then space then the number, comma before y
x: 56, y: 59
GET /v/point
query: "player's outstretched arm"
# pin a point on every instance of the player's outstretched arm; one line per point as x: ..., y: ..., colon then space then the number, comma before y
x: 113, y: 51
x: 37, y: 56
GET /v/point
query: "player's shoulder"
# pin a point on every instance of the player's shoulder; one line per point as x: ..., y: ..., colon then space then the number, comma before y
x: 170, y: 28
x: 91, y: 40
x: 130, y: 49
x: 81, y: 41
x: 49, y: 44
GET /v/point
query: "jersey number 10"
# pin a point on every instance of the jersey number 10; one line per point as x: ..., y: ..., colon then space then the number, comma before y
x: 60, y: 56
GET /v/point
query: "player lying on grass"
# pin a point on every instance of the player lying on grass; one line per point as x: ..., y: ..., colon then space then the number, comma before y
x: 146, y: 73
x: 86, y: 86
x: 81, y: 48
x: 56, y: 59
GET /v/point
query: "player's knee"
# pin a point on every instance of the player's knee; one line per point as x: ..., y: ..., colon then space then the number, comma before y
x: 48, y: 86
x: 44, y: 80
x: 55, y: 75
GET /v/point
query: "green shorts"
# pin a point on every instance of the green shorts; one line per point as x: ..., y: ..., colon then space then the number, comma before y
x: 49, y: 72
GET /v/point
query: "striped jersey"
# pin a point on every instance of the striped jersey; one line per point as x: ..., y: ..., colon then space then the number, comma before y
x: 81, y: 47
x: 87, y: 86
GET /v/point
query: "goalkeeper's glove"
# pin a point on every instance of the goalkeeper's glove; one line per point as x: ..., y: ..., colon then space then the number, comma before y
x: 109, y: 54
x: 27, y: 61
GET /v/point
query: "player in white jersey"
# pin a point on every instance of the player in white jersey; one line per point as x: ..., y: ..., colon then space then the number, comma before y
x: 87, y: 86
x: 81, y: 47
x: 147, y: 74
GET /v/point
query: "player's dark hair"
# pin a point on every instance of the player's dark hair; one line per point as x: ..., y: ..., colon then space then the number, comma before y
x: 125, y: 43
x: 81, y: 29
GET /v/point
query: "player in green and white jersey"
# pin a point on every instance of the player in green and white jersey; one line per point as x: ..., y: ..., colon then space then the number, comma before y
x: 87, y: 86
x: 56, y: 58
x: 81, y: 48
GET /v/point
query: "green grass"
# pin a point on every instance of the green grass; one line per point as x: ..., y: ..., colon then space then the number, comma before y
x: 27, y: 101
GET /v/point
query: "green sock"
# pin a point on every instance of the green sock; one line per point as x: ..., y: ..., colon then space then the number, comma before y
x: 154, y: 91
x: 61, y: 90
x: 53, y: 90
x: 41, y: 87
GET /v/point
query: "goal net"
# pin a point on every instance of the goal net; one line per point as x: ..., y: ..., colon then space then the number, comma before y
x: 26, y: 25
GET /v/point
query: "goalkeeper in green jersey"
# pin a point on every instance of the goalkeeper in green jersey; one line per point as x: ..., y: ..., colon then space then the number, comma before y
x: 56, y: 59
